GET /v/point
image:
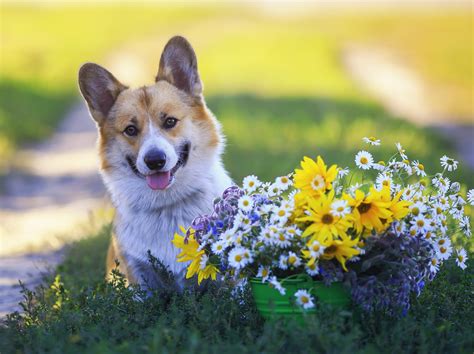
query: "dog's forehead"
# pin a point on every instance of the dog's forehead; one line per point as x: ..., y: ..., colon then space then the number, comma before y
x: 161, y: 97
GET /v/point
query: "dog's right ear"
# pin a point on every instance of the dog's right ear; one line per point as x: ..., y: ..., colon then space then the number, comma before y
x: 100, y: 89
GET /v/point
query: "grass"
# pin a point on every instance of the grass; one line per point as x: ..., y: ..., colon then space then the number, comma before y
x: 79, y: 312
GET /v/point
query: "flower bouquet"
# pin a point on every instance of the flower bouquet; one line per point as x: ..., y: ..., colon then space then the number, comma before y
x: 317, y: 236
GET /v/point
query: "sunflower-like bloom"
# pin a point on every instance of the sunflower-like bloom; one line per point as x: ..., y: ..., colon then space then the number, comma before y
x: 399, y: 208
x: 314, y: 179
x: 342, y: 249
x: 324, y: 224
x: 190, y: 252
x: 371, y: 211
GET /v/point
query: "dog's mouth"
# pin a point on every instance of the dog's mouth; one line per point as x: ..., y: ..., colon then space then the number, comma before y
x: 162, y: 179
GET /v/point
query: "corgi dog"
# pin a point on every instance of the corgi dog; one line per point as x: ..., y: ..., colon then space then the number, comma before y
x: 160, y: 153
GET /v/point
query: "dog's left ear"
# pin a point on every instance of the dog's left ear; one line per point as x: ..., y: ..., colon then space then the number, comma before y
x: 178, y: 66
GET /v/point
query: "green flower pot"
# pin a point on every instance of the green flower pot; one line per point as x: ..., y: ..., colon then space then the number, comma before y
x: 271, y: 304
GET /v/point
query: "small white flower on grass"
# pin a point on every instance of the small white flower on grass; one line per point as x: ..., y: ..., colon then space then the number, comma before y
x: 280, y: 214
x: 418, y: 208
x: 401, y: 151
x: 364, y: 160
x: 245, y: 203
x: 461, y: 258
x: 304, y: 299
x: 239, y: 257
x: 264, y: 273
x: 277, y: 285
x: 251, y: 183
x: 281, y: 239
x: 340, y: 208
x: 419, y: 168
x: 470, y: 196
x: 441, y: 182
x: 283, y: 262
x: 444, y: 251
x: 448, y: 163
x: 318, y: 183
x: 283, y: 182
x: 371, y: 140
x: 420, y: 223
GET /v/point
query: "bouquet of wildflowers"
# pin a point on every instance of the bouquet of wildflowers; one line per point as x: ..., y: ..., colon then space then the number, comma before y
x: 384, y: 237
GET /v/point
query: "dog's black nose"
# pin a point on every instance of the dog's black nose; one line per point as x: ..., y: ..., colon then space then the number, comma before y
x: 155, y: 159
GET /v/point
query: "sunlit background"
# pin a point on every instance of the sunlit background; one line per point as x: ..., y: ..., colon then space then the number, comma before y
x: 286, y: 79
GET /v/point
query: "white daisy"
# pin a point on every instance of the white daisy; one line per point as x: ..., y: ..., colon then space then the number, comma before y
x: 218, y: 247
x: 405, y: 164
x: 351, y: 190
x: 245, y: 203
x: 470, y: 196
x: 293, y: 231
x: 316, y: 249
x: 441, y: 182
x: 251, y: 183
x: 401, y: 151
x: 280, y: 215
x: 420, y: 223
x: 418, y: 208
x: 448, y: 163
x: 343, y: 172
x: 264, y: 273
x: 283, y: 182
x: 408, y: 193
x: 312, y: 269
x: 293, y: 260
x: 281, y: 239
x: 203, y: 261
x: 277, y: 285
x: 434, y: 265
x: 383, y: 179
x: 465, y: 225
x: 364, y: 160
x: 318, y: 183
x: 371, y: 140
x: 455, y: 187
x: 239, y: 257
x: 274, y: 190
x: 266, y: 236
x: 419, y: 168
x: 461, y: 258
x: 304, y: 299
x: 242, y: 222
x: 340, y: 208
x: 444, y: 251
x: 399, y: 228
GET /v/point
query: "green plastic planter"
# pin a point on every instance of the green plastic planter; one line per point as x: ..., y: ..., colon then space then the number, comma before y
x: 271, y: 304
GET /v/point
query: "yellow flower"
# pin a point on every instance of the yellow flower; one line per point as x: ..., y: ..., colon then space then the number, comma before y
x: 300, y: 205
x: 371, y: 211
x: 314, y: 178
x: 324, y: 224
x: 190, y: 252
x: 399, y: 208
x: 342, y: 249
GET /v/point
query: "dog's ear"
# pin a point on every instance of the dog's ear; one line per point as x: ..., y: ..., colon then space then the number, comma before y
x: 178, y: 66
x: 99, y: 88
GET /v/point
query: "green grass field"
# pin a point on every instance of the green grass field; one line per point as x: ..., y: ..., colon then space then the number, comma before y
x: 280, y: 90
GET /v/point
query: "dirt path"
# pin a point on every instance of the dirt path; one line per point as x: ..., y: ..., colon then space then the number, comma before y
x: 404, y: 93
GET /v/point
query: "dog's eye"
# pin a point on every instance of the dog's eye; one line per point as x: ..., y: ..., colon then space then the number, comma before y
x: 170, y: 122
x: 131, y: 130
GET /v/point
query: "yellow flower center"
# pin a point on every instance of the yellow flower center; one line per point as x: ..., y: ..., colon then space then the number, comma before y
x: 281, y: 237
x: 238, y: 258
x: 245, y: 203
x: 363, y: 160
x: 415, y: 211
x: 291, y: 260
x: 441, y: 242
x: 304, y: 299
x: 284, y: 180
x: 316, y: 248
x: 340, y: 209
x: 327, y: 219
x: 439, y: 210
x: 443, y: 250
x: 434, y: 261
x: 281, y: 213
x: 264, y: 272
x: 428, y: 235
x: 460, y: 258
x: 317, y: 183
x: 412, y: 232
x: 421, y: 167
x: 251, y: 183
x: 364, y: 207
x: 386, y: 183
x: 420, y: 223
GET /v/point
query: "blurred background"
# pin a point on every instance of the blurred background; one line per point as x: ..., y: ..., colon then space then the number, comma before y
x: 286, y: 79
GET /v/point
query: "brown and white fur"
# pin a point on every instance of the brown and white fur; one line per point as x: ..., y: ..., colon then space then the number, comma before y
x: 152, y: 202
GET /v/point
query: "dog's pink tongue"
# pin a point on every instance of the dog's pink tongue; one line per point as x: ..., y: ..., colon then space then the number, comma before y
x: 159, y: 180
